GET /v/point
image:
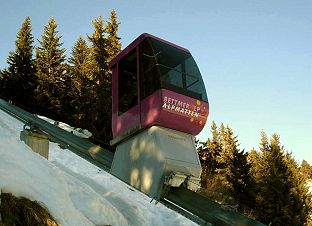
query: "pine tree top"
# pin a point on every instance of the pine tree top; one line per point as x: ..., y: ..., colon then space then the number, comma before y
x: 50, y: 57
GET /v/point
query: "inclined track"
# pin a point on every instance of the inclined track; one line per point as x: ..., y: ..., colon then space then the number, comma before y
x: 190, y: 204
x: 87, y: 150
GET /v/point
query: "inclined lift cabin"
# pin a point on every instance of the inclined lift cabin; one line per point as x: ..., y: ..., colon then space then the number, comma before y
x: 159, y: 105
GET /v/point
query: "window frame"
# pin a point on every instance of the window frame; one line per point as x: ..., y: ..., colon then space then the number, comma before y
x: 135, y: 83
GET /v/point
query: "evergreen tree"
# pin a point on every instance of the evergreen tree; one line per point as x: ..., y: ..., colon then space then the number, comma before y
x: 226, y: 169
x: 208, y: 154
x: 113, y: 40
x: 51, y: 68
x: 104, y: 46
x: 242, y: 183
x: 255, y: 160
x: 18, y: 80
x: 272, y: 180
x: 227, y: 142
x: 306, y: 169
x: 236, y: 170
x: 299, y: 209
x: 101, y: 110
x: 282, y: 196
x: 99, y: 52
x: 82, y: 93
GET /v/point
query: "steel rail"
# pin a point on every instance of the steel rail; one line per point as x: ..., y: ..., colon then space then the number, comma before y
x: 207, y: 210
x: 189, y: 204
x: 82, y: 147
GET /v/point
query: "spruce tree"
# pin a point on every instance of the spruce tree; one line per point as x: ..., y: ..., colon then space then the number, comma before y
x: 235, y: 170
x: 99, y: 52
x: 306, y: 169
x: 208, y: 154
x: 242, y: 187
x: 282, y: 195
x: 18, y: 80
x: 255, y: 160
x: 227, y: 142
x: 299, y: 209
x: 272, y: 180
x: 113, y: 40
x: 104, y: 45
x: 50, y: 63
x: 226, y: 169
x: 101, y: 110
x: 82, y: 93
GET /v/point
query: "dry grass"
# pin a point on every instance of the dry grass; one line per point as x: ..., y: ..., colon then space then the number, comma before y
x: 23, y: 212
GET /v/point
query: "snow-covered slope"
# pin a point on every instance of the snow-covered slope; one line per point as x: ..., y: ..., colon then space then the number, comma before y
x: 75, y: 191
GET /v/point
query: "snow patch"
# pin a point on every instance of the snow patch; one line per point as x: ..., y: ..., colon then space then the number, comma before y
x: 75, y: 191
x: 83, y: 133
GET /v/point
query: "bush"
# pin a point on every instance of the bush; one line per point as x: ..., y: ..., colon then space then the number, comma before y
x: 23, y: 212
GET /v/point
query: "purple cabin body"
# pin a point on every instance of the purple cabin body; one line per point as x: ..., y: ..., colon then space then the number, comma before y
x: 163, y: 107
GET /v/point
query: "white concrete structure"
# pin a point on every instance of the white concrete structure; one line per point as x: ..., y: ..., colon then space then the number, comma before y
x: 157, y: 157
x: 37, y: 141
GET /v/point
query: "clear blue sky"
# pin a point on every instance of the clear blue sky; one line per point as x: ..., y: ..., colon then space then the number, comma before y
x: 255, y: 55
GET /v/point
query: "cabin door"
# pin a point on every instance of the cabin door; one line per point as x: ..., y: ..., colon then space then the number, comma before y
x: 128, y: 101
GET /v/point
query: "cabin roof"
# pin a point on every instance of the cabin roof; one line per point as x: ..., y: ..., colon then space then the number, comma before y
x: 135, y: 43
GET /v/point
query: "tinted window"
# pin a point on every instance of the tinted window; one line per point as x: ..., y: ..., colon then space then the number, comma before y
x: 127, y: 83
x: 149, y: 78
x: 165, y: 66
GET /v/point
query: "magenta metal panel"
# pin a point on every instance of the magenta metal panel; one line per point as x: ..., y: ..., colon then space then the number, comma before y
x: 126, y: 121
x: 114, y: 99
x: 175, y: 111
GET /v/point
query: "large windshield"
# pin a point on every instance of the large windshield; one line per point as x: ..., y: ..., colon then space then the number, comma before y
x: 171, y: 68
